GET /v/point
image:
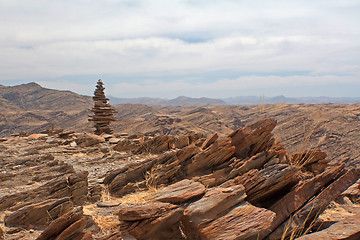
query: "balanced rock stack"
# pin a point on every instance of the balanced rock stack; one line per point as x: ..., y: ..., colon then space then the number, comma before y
x: 103, y: 112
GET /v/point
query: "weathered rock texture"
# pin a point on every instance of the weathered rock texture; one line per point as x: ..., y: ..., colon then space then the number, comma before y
x: 69, y: 226
x: 74, y: 185
x: 103, y: 113
x: 245, y: 186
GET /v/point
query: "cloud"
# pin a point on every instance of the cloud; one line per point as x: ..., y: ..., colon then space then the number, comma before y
x: 48, y: 40
x: 222, y: 88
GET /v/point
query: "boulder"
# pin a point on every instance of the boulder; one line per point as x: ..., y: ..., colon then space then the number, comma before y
x: 126, y: 146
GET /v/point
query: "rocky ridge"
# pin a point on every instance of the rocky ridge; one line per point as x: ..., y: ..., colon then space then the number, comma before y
x: 246, y: 185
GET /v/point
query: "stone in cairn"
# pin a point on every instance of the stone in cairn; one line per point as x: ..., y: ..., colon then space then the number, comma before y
x: 103, y: 112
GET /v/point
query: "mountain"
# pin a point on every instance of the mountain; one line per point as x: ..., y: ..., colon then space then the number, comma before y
x: 32, y: 96
x: 182, y: 100
x: 141, y: 100
x: 282, y: 99
x: 30, y: 107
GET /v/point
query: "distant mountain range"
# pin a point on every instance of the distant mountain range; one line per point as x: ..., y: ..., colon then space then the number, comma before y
x: 241, y: 100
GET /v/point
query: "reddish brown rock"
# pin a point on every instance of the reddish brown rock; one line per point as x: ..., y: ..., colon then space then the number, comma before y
x: 181, y: 141
x: 301, y: 193
x: 36, y: 136
x: 38, y: 215
x: 60, y: 224
x: 318, y: 204
x: 242, y: 222
x: 74, y: 229
x: 209, y: 140
x: 349, y: 228
x: 218, y: 215
x: 253, y: 138
x: 215, y: 201
x: 89, y: 139
x: 263, y: 185
x: 215, y: 178
x: 143, y: 211
x: 156, y: 145
x: 255, y: 162
x: 125, y: 179
x: 218, y: 153
x: 179, y: 192
x: 187, y: 152
x: 152, y: 220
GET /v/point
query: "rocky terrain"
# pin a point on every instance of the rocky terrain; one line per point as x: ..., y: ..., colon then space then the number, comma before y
x: 177, y: 172
x: 333, y: 128
x: 67, y: 185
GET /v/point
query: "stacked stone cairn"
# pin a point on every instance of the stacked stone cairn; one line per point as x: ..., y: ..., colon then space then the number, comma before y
x: 103, y: 112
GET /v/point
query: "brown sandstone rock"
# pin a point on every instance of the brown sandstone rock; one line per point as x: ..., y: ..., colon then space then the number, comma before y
x: 218, y: 153
x: 181, y: 141
x: 317, y: 205
x: 348, y: 228
x: 36, y: 136
x: 301, y: 193
x: 209, y: 140
x: 89, y: 139
x: 215, y: 201
x: 263, y: 185
x: 126, y: 146
x: 39, y: 215
x: 152, y: 220
x: 218, y: 215
x: 135, y: 212
x: 242, y: 222
x: 253, y: 138
x: 179, y: 192
x: 156, y: 145
x: 74, y: 229
x: 60, y: 224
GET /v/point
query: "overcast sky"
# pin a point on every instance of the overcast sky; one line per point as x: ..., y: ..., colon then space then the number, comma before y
x: 196, y: 48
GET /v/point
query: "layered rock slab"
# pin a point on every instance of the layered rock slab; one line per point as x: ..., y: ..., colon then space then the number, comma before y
x: 154, y: 220
x: 223, y: 214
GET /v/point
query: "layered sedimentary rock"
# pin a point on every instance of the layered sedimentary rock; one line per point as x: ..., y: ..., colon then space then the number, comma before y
x: 254, y: 189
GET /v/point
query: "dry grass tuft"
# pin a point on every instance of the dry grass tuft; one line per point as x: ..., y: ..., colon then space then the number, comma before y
x: 106, y: 223
x: 308, y: 156
x: 110, y: 222
x: 293, y: 233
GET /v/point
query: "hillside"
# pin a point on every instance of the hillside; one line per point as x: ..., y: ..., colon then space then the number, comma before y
x: 335, y: 128
x: 30, y: 107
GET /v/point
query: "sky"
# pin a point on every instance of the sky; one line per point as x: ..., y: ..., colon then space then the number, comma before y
x: 195, y: 48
